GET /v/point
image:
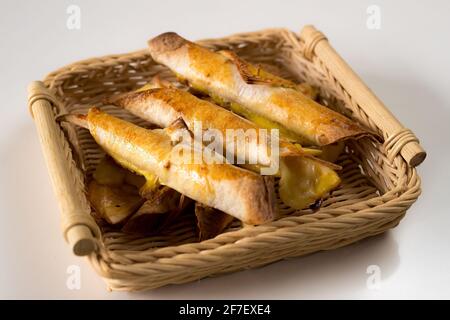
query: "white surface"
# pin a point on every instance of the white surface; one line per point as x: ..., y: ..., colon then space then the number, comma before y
x: 406, y: 63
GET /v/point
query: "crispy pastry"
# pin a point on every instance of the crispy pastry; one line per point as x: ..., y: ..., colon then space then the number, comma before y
x: 238, y: 192
x: 162, y: 106
x: 265, y: 98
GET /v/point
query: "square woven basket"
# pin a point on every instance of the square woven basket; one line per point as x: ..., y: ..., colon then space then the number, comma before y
x: 380, y: 181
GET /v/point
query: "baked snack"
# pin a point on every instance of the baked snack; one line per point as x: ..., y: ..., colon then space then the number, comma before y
x: 303, y: 181
x: 153, y: 153
x: 253, y: 92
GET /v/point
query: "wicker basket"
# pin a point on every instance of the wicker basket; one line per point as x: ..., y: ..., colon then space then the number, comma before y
x: 379, y: 180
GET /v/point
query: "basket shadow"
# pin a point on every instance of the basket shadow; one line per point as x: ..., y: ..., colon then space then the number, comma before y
x: 32, y: 222
x: 319, y: 275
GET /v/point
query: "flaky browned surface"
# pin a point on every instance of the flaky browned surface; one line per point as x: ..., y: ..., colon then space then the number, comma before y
x: 241, y: 193
x: 216, y: 74
x: 164, y: 105
x: 166, y: 41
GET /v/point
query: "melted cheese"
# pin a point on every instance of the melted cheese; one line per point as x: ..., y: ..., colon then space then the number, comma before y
x: 304, y: 181
x: 263, y: 122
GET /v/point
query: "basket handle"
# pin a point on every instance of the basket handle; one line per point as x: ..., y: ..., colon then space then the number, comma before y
x: 398, y: 139
x: 78, y: 225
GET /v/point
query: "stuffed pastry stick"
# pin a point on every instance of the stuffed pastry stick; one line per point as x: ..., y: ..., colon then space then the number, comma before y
x: 163, y: 105
x: 304, y: 179
x: 259, y: 94
x: 238, y: 192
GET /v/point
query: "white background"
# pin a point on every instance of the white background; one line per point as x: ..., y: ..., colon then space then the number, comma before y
x: 406, y: 63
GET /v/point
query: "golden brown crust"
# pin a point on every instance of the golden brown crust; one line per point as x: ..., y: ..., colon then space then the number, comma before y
x: 321, y: 125
x: 191, y: 109
x: 253, y: 74
x: 166, y: 42
x: 262, y: 200
x: 314, y: 123
x: 236, y: 191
